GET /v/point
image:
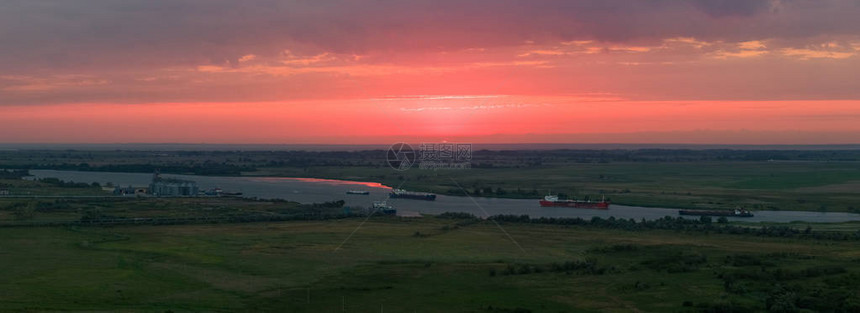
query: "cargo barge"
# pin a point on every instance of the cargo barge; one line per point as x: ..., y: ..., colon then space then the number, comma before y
x: 358, y: 192
x: 554, y: 201
x: 403, y: 194
x: 735, y: 213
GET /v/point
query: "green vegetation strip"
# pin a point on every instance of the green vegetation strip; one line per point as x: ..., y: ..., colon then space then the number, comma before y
x: 452, y: 263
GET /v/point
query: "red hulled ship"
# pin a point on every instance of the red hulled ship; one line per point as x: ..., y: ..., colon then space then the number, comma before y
x: 585, y: 204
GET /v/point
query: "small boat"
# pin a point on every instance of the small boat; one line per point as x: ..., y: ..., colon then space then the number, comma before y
x: 358, y: 192
x: 383, y: 207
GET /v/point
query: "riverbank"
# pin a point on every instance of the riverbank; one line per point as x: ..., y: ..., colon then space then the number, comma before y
x: 305, y: 190
x: 755, y: 185
x: 757, y: 179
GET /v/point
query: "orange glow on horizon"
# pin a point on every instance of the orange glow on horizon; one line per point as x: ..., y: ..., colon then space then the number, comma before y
x: 439, y: 117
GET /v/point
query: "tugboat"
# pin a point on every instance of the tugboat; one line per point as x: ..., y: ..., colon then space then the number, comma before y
x: 736, y: 213
x: 552, y: 201
x: 400, y: 193
x: 383, y: 207
x: 358, y: 192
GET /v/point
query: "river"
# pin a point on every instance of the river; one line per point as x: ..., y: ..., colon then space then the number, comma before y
x: 310, y: 190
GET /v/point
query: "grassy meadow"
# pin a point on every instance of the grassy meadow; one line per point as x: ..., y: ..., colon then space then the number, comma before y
x: 417, y: 265
x: 213, y: 260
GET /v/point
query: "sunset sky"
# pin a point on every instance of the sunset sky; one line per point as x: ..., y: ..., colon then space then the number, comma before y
x: 501, y: 71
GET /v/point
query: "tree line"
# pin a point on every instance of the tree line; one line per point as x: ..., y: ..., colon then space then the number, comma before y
x: 703, y: 224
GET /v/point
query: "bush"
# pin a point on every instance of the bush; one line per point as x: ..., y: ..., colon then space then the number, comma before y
x: 457, y: 215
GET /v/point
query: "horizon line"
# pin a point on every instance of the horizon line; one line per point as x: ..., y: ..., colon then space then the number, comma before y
x: 154, y: 146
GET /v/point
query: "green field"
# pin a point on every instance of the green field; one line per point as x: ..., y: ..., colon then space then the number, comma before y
x: 219, y: 256
x: 417, y: 265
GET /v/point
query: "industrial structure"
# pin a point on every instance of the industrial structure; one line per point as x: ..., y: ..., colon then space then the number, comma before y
x: 172, y: 187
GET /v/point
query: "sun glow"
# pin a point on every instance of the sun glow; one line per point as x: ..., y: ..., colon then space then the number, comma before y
x: 377, y: 120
